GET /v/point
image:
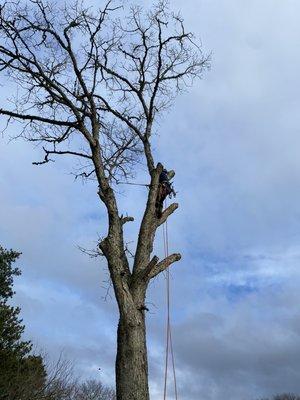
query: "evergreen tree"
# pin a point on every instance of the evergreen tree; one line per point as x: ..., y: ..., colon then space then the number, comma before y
x: 11, y: 328
x: 22, y: 376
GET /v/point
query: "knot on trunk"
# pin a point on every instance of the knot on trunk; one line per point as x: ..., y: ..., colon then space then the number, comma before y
x: 143, y: 308
x: 126, y: 219
x: 103, y: 245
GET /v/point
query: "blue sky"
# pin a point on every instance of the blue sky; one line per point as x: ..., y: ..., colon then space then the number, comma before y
x: 234, y: 142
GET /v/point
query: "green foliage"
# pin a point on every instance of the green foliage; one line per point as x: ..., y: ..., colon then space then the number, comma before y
x: 7, y: 272
x: 11, y: 328
x: 21, y: 379
x: 11, y: 331
x: 22, y: 376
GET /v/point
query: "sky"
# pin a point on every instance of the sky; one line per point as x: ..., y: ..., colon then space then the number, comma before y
x: 234, y: 142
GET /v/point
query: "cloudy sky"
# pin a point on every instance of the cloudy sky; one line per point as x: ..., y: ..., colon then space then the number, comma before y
x: 234, y: 141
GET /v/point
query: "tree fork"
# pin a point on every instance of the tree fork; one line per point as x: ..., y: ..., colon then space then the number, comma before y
x: 109, y: 98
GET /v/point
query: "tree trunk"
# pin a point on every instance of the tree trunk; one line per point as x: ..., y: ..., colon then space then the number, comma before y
x: 130, y: 287
x: 131, y: 362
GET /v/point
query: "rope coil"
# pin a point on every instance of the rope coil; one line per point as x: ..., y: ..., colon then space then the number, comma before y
x: 169, y: 342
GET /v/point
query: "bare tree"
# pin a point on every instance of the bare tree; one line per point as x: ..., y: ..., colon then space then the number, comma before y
x: 91, y: 85
x: 94, y: 390
x: 60, y: 383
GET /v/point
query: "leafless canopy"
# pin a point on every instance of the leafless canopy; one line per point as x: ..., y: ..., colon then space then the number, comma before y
x: 91, y: 85
x: 87, y: 75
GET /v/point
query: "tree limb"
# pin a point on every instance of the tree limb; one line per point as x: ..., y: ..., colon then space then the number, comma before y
x: 48, y: 152
x: 124, y: 220
x: 168, y: 211
x: 150, y: 267
x: 164, y: 264
x: 32, y: 118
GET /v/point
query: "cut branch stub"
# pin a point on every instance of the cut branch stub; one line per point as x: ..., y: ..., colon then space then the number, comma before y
x: 164, y: 264
x: 124, y: 220
x: 168, y: 211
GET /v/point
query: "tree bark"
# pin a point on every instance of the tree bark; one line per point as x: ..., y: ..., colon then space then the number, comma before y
x: 131, y: 361
x: 130, y: 286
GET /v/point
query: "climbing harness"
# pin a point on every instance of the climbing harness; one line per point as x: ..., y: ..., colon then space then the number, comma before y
x: 169, y: 343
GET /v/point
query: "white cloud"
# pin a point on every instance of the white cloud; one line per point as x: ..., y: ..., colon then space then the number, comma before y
x: 234, y: 142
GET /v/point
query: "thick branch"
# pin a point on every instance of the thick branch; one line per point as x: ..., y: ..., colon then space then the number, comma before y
x: 150, y: 266
x: 164, y: 264
x: 148, y: 225
x: 27, y: 117
x: 168, y: 211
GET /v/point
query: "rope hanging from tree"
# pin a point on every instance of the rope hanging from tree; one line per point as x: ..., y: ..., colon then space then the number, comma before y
x: 169, y: 343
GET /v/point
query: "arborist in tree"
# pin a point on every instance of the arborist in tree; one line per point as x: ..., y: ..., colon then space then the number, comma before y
x: 165, y: 189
